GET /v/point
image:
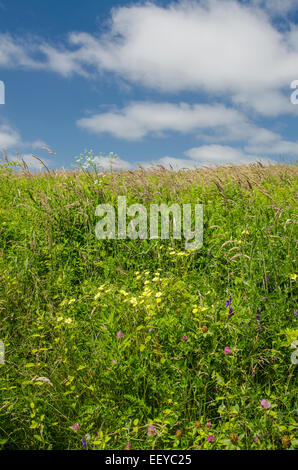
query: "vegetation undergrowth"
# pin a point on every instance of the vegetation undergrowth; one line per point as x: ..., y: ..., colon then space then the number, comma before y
x: 113, y: 344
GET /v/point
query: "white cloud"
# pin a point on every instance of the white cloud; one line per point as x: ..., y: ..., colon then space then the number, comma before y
x: 214, y: 46
x: 10, y: 140
x: 276, y: 7
x: 117, y: 164
x: 211, y: 123
x: 31, y: 162
x: 219, y: 154
x: 9, y: 137
x: 209, y: 155
x: 139, y: 119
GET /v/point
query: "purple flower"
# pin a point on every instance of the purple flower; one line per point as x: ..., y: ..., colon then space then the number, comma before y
x: 296, y: 313
x: 230, y: 312
x: 128, y: 447
x: 210, y: 438
x: 184, y: 338
x: 208, y: 424
x: 114, y: 362
x: 120, y: 334
x: 229, y: 301
x: 151, y: 431
x: 265, y: 298
x: 75, y: 427
x: 265, y: 404
x: 256, y: 439
x: 227, y: 350
x: 150, y: 330
x: 84, y: 444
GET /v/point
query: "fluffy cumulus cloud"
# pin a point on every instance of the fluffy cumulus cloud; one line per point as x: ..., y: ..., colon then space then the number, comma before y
x: 9, y: 137
x: 105, y: 163
x: 210, y: 45
x: 139, y: 119
x: 11, y: 141
x: 209, y: 155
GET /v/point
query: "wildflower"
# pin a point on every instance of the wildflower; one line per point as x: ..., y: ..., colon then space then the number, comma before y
x: 68, y: 321
x: 256, y: 439
x: 229, y: 301
x: 84, y: 444
x: 204, y: 329
x: 178, y: 434
x: 151, y: 431
x: 128, y: 447
x: 296, y: 313
x: 265, y: 299
x: 293, y: 277
x: 234, y: 438
x: 75, y: 427
x: 150, y: 330
x: 114, y: 362
x: 265, y: 404
x: 120, y: 334
x: 209, y: 424
x: 158, y: 294
x: 210, y: 438
x: 227, y: 350
x: 184, y: 338
x: 195, y: 310
x: 286, y: 442
x: 230, y: 312
x: 87, y: 437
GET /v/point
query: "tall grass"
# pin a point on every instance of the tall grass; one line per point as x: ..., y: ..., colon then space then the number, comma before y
x: 66, y: 296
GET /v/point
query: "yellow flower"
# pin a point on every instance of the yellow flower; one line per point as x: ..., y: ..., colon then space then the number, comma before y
x: 68, y: 321
x: 158, y: 294
x: 195, y: 310
x: 293, y: 277
x: 158, y: 301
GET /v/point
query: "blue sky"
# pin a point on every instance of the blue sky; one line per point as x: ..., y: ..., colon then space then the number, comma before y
x: 186, y: 83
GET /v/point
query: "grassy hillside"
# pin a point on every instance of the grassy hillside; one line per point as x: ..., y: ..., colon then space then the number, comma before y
x: 133, y: 342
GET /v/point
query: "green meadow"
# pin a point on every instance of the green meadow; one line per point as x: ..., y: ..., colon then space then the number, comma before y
x: 141, y: 344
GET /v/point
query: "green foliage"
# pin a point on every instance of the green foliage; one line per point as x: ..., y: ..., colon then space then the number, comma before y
x: 64, y: 296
